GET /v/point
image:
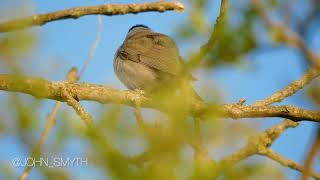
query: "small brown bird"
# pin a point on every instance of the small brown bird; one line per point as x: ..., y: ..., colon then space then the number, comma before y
x: 148, y: 61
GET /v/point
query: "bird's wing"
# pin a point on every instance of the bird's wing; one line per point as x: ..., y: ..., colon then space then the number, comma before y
x: 154, y: 50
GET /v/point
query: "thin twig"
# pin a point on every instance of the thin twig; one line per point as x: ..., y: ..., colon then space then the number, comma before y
x: 76, y: 12
x: 284, y: 34
x: 291, y: 89
x: 138, y: 115
x: 201, y: 154
x: 137, y: 100
x: 260, y: 144
x: 93, y: 48
x: 288, y: 10
x: 71, y: 77
x: 216, y: 31
x: 37, y: 149
x: 286, y: 162
x: 254, y: 146
x: 311, y: 156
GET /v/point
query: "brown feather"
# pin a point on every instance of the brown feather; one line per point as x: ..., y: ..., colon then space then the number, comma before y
x: 155, y: 50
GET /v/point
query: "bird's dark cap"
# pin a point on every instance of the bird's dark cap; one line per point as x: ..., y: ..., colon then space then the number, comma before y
x: 138, y: 26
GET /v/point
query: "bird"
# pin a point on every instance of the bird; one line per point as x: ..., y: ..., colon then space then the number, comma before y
x: 149, y: 61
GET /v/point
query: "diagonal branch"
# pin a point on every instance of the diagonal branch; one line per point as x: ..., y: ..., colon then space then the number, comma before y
x: 42, y: 88
x: 216, y: 31
x: 311, y: 156
x: 260, y: 141
x: 291, y: 89
x: 287, y: 162
x: 260, y: 145
x: 72, y: 76
x: 85, y: 116
x: 76, y: 12
x: 285, y: 35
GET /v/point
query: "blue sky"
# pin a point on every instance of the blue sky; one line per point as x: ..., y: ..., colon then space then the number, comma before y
x: 63, y: 44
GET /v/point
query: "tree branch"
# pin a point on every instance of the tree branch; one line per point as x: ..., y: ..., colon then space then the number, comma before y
x: 262, y: 140
x: 76, y: 12
x: 42, y: 88
x: 216, y: 31
x: 311, y: 156
x: 85, y: 116
x: 260, y: 144
x: 291, y: 89
x: 72, y: 76
x: 286, y: 162
x: 36, y: 151
x: 284, y: 34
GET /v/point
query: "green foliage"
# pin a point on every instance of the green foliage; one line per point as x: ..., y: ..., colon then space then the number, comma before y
x: 234, y: 41
x: 16, y: 45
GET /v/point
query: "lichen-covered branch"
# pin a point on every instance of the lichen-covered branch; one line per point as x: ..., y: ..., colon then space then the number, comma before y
x: 76, y: 12
x: 256, y: 144
x: 286, y: 35
x: 260, y: 145
x: 286, y: 162
x: 85, y: 116
x: 290, y: 112
x: 42, y: 88
x: 291, y: 89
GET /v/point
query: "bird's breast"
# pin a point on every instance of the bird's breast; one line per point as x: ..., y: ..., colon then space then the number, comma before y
x: 134, y: 74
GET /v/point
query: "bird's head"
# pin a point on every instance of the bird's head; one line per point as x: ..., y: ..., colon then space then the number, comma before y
x: 138, y: 28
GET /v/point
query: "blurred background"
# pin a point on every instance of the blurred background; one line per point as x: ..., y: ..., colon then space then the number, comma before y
x: 247, y: 62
